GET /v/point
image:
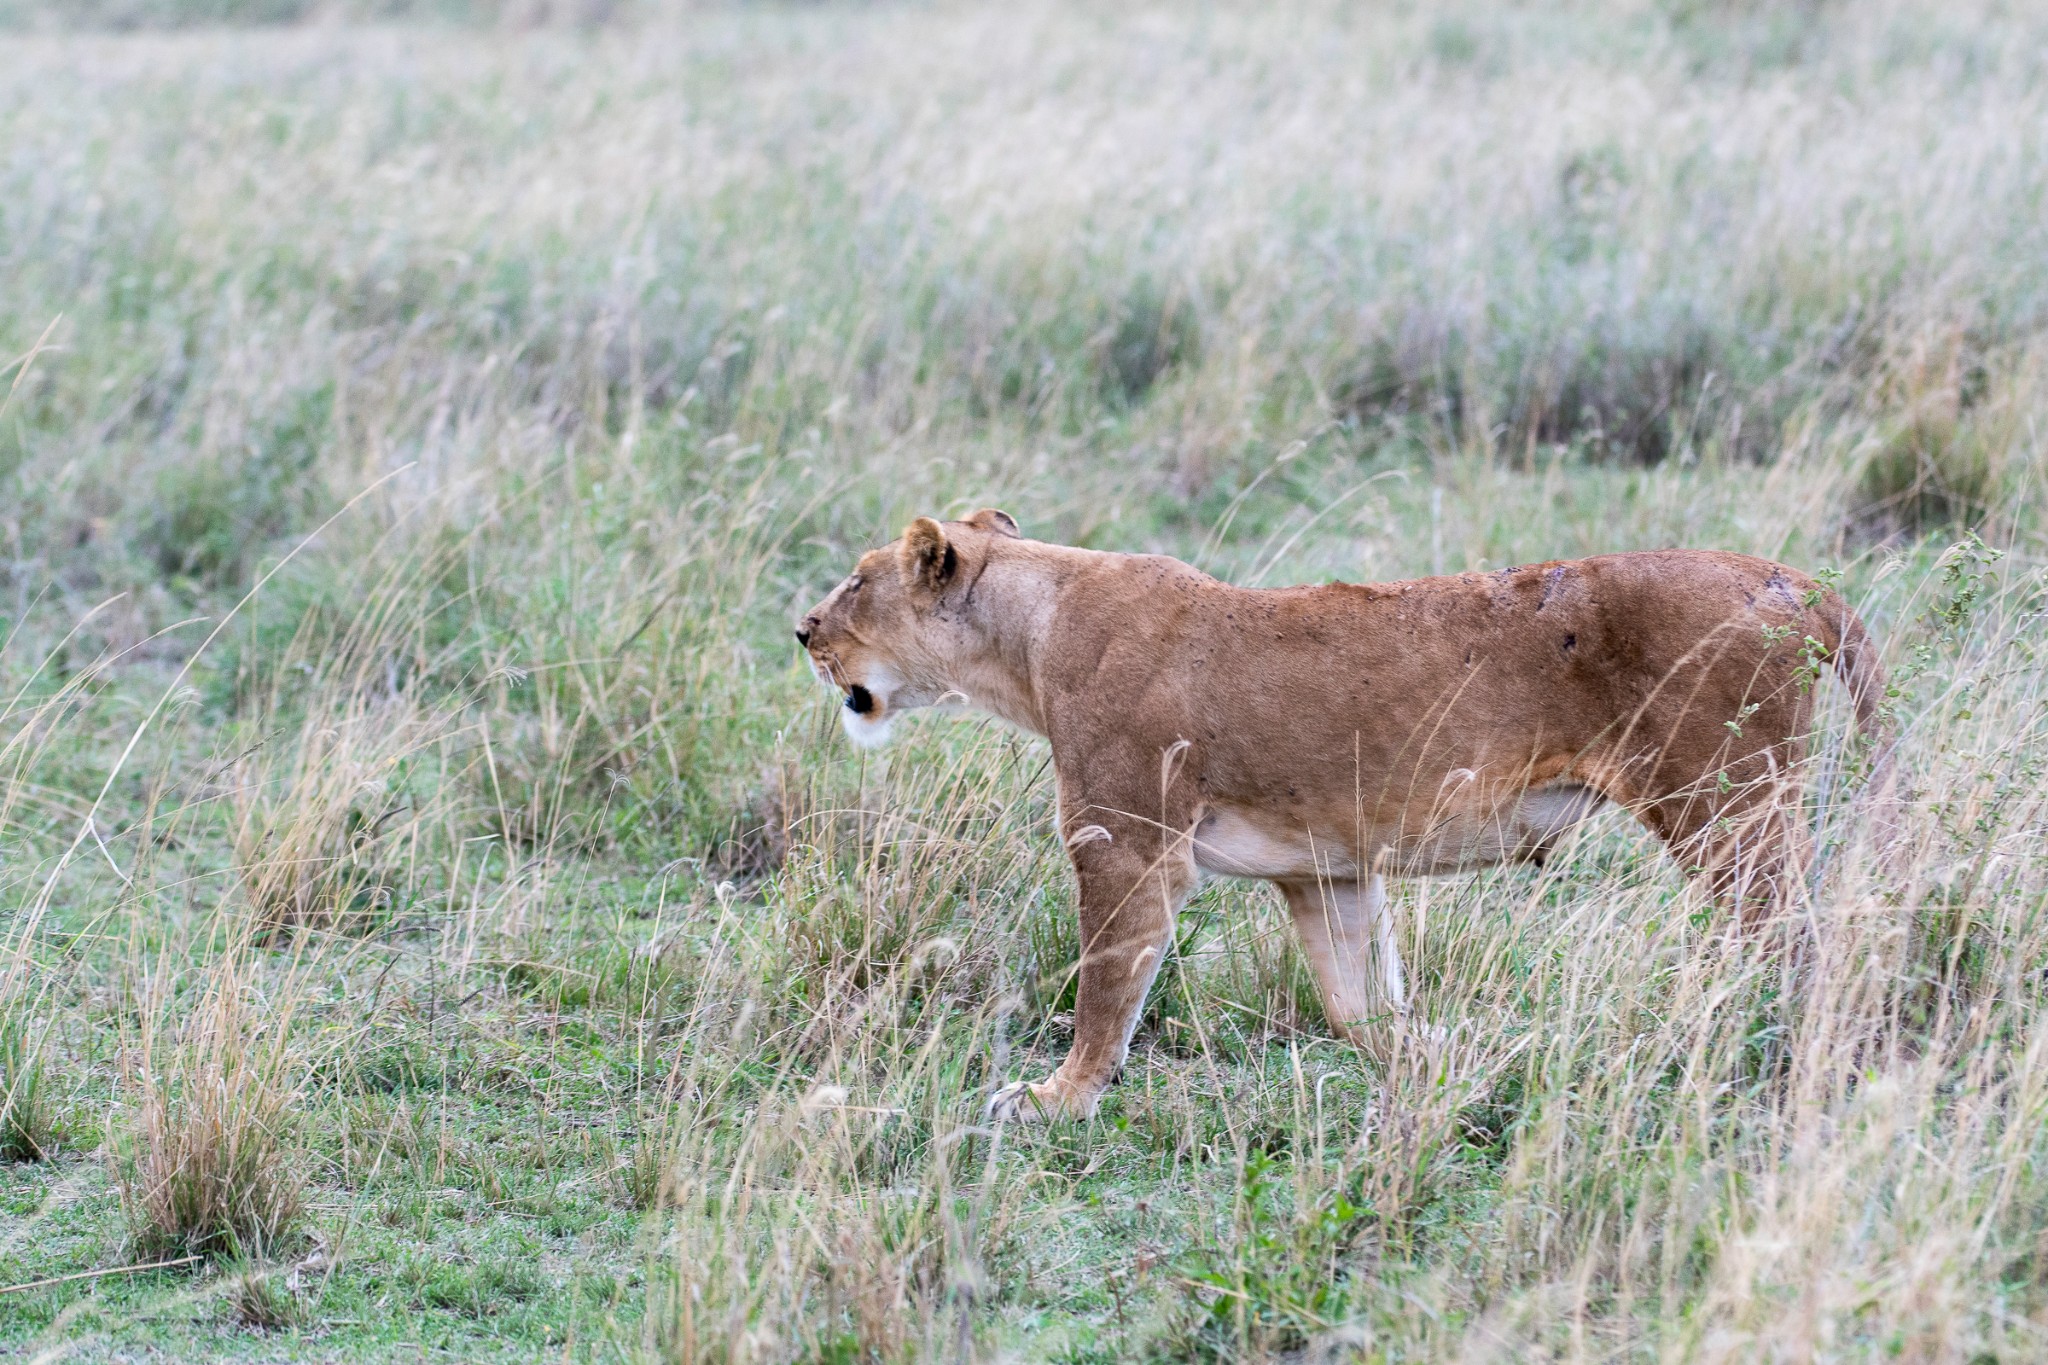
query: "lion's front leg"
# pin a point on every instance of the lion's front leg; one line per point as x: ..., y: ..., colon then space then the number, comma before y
x: 1132, y: 881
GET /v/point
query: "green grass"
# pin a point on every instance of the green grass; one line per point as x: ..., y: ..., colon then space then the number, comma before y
x: 417, y: 829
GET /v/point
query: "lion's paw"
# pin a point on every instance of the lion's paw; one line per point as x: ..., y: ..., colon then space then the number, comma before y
x: 1017, y: 1100
x: 1036, y: 1102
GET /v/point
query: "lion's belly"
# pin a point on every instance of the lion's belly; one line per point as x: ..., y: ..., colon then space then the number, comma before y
x: 1234, y: 842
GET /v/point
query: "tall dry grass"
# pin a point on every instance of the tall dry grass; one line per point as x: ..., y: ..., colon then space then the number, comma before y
x: 211, y: 1167
x: 649, y: 327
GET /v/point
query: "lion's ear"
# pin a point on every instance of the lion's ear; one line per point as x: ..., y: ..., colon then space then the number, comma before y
x: 996, y: 520
x: 927, y: 557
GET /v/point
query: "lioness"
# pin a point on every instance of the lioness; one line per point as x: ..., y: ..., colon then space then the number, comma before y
x: 1318, y: 737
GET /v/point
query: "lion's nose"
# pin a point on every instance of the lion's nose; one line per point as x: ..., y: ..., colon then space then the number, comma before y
x: 803, y: 629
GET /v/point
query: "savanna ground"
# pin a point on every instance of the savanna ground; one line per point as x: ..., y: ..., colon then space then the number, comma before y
x: 442, y: 919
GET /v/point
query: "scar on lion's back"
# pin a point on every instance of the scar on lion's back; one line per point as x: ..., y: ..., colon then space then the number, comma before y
x: 1368, y: 592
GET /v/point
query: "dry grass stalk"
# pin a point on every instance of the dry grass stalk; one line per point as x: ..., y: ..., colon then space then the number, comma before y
x: 211, y: 1166
x: 27, y: 1125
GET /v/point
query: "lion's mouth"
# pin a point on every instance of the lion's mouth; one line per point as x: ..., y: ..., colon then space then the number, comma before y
x: 859, y: 700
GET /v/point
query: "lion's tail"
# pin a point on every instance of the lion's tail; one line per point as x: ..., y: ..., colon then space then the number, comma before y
x: 1854, y: 654
x: 1855, y: 658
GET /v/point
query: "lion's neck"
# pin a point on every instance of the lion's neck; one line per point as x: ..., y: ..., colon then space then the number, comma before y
x: 1014, y: 601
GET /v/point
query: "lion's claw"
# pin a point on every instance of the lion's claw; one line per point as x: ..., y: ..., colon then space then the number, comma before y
x: 1017, y: 1100
x: 1042, y: 1102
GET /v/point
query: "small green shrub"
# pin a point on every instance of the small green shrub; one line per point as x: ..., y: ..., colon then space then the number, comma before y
x: 1278, y: 1278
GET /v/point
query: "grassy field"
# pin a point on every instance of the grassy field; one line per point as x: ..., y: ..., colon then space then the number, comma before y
x: 441, y: 919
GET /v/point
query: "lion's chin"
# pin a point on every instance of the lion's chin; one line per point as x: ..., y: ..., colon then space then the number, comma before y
x: 869, y: 731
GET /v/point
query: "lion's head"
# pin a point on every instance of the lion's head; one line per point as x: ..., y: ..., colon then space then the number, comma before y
x: 895, y: 634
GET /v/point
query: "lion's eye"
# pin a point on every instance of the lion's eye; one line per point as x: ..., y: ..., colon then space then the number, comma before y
x: 853, y: 583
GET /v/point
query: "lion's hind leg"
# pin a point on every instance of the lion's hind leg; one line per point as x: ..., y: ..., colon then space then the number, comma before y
x: 1748, y: 840
x: 1347, y: 931
x: 1756, y: 852
x: 1543, y: 815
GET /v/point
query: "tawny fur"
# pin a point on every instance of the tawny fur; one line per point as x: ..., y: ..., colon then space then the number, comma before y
x: 1319, y: 737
